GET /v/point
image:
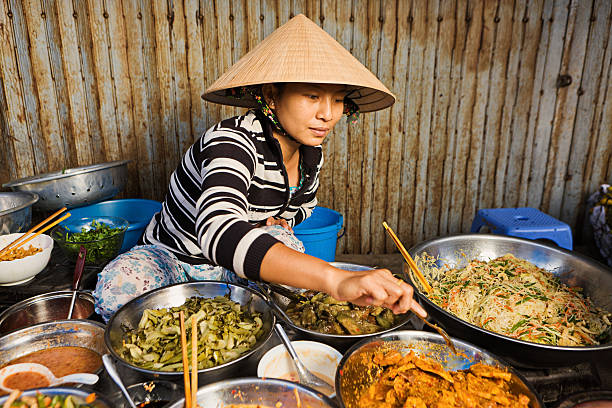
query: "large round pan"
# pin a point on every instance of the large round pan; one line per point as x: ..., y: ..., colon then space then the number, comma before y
x: 355, y: 373
x: 175, y: 295
x: 340, y: 341
x: 571, y: 268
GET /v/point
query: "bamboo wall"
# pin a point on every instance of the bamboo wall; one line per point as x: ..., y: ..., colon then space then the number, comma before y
x: 499, y: 103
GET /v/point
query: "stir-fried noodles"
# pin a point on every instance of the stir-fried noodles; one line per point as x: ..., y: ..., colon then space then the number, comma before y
x: 515, y: 298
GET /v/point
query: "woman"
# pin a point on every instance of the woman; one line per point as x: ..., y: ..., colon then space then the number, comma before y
x: 248, y: 180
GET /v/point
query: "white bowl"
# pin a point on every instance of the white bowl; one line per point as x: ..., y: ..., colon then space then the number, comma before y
x: 319, y: 358
x: 24, y: 269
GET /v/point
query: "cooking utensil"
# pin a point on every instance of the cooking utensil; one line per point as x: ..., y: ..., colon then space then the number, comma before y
x: 16, y: 211
x: 340, y: 341
x: 45, y: 308
x: 306, y: 377
x: 26, y: 237
x: 79, y: 378
x: 112, y: 372
x: 78, y: 273
x: 75, y: 187
x: 423, y: 281
x: 175, y: 295
x: 355, y: 372
x: 268, y: 392
x: 77, y: 393
x: 186, y: 382
x: 570, y: 267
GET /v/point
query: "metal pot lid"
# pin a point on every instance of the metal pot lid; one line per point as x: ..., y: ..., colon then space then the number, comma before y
x: 65, y: 173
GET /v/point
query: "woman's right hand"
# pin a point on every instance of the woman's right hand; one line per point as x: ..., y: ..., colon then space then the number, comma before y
x: 376, y: 287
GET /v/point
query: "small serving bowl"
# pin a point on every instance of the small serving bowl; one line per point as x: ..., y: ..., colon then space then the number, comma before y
x: 23, y: 270
x: 321, y: 359
x: 80, y: 394
x: 99, y: 251
x: 146, y: 393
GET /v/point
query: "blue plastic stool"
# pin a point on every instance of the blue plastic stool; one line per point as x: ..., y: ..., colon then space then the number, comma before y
x: 524, y: 222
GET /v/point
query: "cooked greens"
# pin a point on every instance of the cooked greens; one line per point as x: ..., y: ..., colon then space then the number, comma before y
x: 226, y: 330
x: 55, y: 401
x: 101, y: 241
x: 322, y: 313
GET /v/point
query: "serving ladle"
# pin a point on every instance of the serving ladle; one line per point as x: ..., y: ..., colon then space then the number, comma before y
x: 112, y: 372
x: 80, y: 378
x: 78, y: 273
x: 306, y: 377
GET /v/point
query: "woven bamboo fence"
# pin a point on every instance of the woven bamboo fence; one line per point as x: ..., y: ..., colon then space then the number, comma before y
x: 500, y: 103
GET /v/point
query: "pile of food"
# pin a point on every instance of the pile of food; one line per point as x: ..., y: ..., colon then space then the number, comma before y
x: 101, y: 241
x: 226, y: 330
x: 411, y: 381
x: 515, y: 298
x: 320, y: 312
x: 19, y: 253
x: 43, y: 401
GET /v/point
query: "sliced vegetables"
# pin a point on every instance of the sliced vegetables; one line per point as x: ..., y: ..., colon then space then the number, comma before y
x: 226, y: 330
x: 51, y: 401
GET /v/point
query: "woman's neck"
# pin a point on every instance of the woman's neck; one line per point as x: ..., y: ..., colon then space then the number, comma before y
x: 290, y: 149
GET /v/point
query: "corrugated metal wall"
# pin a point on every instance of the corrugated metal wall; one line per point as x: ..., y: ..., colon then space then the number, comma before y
x: 500, y: 103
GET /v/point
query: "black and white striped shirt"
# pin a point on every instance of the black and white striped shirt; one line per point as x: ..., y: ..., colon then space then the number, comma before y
x: 230, y: 179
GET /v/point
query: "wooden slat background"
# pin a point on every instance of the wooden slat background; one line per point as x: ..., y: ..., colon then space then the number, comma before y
x: 480, y: 119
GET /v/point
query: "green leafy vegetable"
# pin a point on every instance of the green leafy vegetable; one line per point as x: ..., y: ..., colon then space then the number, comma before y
x: 101, y: 241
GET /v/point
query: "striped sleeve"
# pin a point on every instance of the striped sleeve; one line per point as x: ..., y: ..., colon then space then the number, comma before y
x: 223, y: 230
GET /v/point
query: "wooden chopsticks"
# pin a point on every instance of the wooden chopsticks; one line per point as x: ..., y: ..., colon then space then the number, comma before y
x: 24, y: 238
x: 191, y: 387
x: 408, y: 258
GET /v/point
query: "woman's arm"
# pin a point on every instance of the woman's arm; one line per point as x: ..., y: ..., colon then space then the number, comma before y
x: 377, y: 287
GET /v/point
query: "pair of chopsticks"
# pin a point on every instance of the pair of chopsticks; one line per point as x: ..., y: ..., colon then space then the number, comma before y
x: 24, y: 238
x: 408, y: 258
x: 191, y: 388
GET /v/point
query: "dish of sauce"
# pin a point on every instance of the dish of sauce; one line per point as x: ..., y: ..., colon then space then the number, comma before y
x: 25, y: 380
x: 64, y: 360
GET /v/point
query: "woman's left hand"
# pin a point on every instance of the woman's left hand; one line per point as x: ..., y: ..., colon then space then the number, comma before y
x: 277, y: 221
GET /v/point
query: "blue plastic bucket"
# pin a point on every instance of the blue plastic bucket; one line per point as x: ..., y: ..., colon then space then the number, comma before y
x: 319, y: 233
x: 138, y: 212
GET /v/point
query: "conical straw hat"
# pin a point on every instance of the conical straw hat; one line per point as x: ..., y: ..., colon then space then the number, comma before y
x: 300, y: 51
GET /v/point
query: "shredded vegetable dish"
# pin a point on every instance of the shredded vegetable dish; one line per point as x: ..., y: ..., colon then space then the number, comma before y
x: 226, y: 331
x: 513, y: 297
x: 411, y: 381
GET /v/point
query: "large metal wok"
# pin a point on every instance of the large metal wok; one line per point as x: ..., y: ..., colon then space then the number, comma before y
x: 355, y: 372
x: 571, y: 268
x: 340, y: 341
x: 175, y: 295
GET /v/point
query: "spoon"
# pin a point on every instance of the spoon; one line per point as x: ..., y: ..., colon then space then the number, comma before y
x: 81, y: 378
x: 78, y: 272
x: 305, y: 376
x: 112, y: 371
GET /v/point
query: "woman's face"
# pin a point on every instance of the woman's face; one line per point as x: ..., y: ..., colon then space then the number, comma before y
x: 308, y: 112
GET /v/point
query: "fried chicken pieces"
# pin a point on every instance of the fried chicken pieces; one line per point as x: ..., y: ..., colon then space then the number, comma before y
x: 413, y: 382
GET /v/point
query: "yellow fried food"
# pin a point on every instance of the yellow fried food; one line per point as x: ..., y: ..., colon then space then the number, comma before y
x: 19, y: 253
x: 411, y: 381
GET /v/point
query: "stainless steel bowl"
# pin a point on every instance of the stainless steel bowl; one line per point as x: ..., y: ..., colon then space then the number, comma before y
x: 339, y: 341
x: 81, y: 394
x: 16, y: 211
x: 354, y: 374
x: 268, y: 392
x: 170, y: 296
x: 571, y: 268
x: 78, y: 333
x: 45, y: 308
x: 75, y: 187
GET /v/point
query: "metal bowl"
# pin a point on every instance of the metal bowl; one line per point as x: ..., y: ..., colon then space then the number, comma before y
x: 16, y: 211
x: 75, y: 187
x: 81, y: 394
x: 45, y: 308
x: 78, y: 333
x: 355, y: 373
x: 175, y: 295
x: 339, y: 341
x: 268, y: 392
x: 589, y: 399
x: 571, y: 268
